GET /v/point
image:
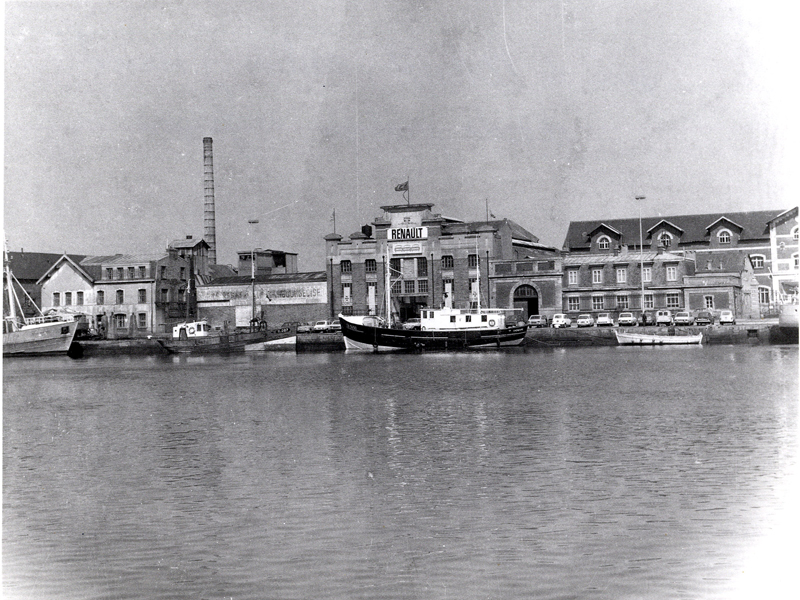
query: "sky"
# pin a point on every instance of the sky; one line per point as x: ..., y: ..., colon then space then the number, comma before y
x: 545, y: 111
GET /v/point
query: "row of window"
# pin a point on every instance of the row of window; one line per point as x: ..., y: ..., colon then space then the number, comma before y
x: 121, y: 321
x: 395, y: 264
x: 622, y: 274
x: 137, y: 272
x: 100, y: 297
x: 673, y: 300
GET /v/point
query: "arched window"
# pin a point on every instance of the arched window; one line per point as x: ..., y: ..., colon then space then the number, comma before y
x: 603, y: 242
x: 724, y: 236
x: 665, y: 240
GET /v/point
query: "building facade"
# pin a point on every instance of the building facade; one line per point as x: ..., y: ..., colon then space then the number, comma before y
x: 427, y: 260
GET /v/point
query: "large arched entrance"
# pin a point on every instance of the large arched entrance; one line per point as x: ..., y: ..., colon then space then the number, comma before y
x: 526, y: 299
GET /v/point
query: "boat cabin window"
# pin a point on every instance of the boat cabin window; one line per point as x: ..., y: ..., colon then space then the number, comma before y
x: 452, y: 318
x: 468, y: 318
x: 484, y: 318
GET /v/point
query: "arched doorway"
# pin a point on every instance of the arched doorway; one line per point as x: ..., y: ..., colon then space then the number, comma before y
x: 526, y: 299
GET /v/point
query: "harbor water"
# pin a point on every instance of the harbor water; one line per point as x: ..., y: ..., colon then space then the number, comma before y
x: 558, y: 473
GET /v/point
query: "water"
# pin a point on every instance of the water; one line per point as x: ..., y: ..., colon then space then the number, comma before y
x: 567, y: 473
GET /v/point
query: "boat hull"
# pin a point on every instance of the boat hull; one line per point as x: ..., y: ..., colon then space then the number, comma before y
x: 232, y: 342
x: 646, y: 339
x: 788, y: 316
x: 41, y: 339
x: 358, y: 336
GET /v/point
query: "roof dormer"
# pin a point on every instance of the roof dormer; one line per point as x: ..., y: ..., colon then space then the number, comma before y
x: 665, y: 235
x: 604, y: 238
x: 723, y: 232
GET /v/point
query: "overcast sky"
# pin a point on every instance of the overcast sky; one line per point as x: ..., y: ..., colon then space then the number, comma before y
x: 549, y: 110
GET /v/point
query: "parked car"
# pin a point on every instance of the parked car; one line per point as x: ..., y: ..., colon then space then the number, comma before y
x: 684, y: 317
x: 585, y: 321
x: 561, y: 320
x: 305, y: 328
x: 704, y: 317
x: 627, y: 319
x: 412, y: 324
x: 664, y: 317
x: 537, y: 321
x: 323, y: 326
x: 335, y: 326
x: 726, y: 317
x: 605, y: 320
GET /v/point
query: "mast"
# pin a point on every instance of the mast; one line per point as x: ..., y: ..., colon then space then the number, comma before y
x: 388, y: 283
x: 478, y: 265
x: 641, y: 254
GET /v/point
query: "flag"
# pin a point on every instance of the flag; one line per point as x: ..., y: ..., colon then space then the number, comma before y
x: 403, y: 187
x: 333, y: 216
x: 492, y: 215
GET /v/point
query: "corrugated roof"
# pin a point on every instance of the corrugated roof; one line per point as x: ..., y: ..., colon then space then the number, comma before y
x: 630, y: 257
x: 123, y: 259
x: 754, y: 227
x: 313, y: 276
x: 187, y: 243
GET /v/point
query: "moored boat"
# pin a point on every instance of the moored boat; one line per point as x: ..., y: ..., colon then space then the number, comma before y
x: 788, y: 315
x: 654, y: 339
x: 441, y: 329
x: 34, y: 336
x: 199, y: 337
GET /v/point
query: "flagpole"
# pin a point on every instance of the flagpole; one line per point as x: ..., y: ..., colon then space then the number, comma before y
x: 408, y: 198
x: 487, y: 209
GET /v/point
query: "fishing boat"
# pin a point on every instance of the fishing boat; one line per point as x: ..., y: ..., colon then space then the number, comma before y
x: 34, y: 336
x: 654, y: 339
x: 199, y: 337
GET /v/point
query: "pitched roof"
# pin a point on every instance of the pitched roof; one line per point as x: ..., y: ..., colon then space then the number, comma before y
x: 754, y: 227
x: 517, y: 231
x: 32, y: 265
x: 187, y: 243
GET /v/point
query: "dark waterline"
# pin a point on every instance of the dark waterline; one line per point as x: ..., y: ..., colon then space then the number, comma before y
x: 584, y: 472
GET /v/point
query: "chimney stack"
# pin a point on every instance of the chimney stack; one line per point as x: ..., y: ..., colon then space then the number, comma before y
x: 209, y: 227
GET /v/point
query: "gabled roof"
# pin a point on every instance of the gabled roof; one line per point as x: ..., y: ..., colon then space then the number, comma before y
x: 57, y: 265
x: 517, y: 231
x: 664, y: 222
x: 123, y: 259
x: 710, y: 227
x: 754, y: 227
x: 188, y: 243
x: 787, y: 214
x: 32, y: 265
x: 605, y: 226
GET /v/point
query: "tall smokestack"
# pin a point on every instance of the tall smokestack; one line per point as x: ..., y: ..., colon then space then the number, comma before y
x: 209, y: 226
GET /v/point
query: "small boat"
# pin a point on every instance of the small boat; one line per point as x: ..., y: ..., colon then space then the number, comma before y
x: 788, y: 315
x: 34, y: 336
x: 199, y: 337
x: 653, y: 339
x: 440, y: 329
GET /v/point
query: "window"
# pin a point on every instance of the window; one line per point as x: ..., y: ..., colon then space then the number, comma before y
x: 347, y: 290
x: 422, y: 267
x: 763, y: 295
x: 603, y: 243
x: 370, y: 266
x: 182, y: 295
x: 120, y: 273
x: 142, y: 321
x: 622, y: 274
x: 796, y: 233
x: 131, y: 272
x: 647, y: 274
x: 346, y: 266
x: 472, y: 260
x: 447, y: 262
x: 622, y: 301
x: 648, y: 301
x: 665, y: 240
x: 56, y: 299
x: 724, y: 236
x: 165, y: 295
x: 109, y: 273
x: 757, y: 260
x: 183, y: 273
x: 79, y: 298
x: 422, y: 286
x: 396, y: 287
x: 347, y: 310
x: 67, y: 298
x: 120, y: 321
x: 409, y: 286
x: 142, y: 272
x: 120, y: 297
x: 673, y: 300
x: 394, y: 266
x: 100, y: 297
x: 672, y: 273
x: 597, y: 275
x: 142, y: 296
x: 163, y: 271
x: 708, y: 302
x: 447, y: 288
x: 796, y: 261
x: 573, y: 303
x: 572, y: 277
x: 597, y: 303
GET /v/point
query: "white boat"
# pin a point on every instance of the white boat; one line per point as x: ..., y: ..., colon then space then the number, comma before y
x: 788, y: 315
x: 654, y: 339
x: 34, y: 336
x: 199, y: 337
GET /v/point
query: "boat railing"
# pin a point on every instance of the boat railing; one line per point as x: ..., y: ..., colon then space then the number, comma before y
x: 48, y: 319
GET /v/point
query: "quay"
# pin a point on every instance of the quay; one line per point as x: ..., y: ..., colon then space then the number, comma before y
x: 754, y: 333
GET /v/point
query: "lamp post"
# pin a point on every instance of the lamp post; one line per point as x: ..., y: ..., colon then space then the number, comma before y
x: 641, y: 256
x: 252, y: 273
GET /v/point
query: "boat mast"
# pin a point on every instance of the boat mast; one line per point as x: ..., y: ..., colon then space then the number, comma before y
x: 478, y: 265
x: 388, y: 285
x: 12, y: 296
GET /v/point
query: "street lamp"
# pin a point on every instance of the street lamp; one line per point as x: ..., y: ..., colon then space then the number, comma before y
x: 252, y: 274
